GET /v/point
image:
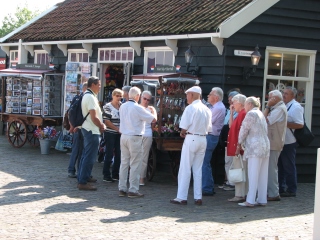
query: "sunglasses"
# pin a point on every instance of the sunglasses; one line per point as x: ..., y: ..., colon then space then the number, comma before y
x: 147, y: 99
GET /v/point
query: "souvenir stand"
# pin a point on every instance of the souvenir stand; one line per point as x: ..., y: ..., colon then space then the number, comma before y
x: 169, y: 99
x: 32, y: 95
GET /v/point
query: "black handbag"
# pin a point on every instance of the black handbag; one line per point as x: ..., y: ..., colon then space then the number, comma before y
x: 303, y: 136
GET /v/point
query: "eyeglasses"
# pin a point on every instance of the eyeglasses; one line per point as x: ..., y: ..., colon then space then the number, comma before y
x: 147, y: 99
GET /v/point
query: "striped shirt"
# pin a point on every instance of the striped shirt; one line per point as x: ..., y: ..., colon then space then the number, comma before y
x: 112, y: 114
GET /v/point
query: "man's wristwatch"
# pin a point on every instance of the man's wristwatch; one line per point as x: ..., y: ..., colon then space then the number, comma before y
x: 268, y: 107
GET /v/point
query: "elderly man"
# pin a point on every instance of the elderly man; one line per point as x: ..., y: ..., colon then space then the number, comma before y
x: 195, y: 124
x: 218, y: 112
x: 125, y: 90
x: 91, y: 129
x: 287, y: 159
x: 132, y: 126
x: 276, y: 116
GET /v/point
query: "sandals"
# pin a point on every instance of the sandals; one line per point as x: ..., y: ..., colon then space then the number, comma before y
x: 246, y: 204
x: 236, y: 199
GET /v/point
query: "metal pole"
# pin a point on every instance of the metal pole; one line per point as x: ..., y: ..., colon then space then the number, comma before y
x: 316, y: 229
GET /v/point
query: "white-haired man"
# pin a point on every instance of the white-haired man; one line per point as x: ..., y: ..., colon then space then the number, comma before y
x: 195, y: 124
x: 132, y: 126
x: 276, y: 116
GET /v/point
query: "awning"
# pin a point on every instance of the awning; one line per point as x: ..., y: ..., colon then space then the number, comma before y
x: 27, y: 73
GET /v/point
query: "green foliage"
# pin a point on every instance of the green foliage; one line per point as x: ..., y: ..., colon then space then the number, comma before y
x: 20, y: 17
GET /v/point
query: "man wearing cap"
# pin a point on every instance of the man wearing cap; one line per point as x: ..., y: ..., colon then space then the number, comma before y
x: 195, y: 124
x: 218, y: 112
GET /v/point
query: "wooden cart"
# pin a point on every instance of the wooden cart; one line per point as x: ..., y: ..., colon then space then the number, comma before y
x: 26, y: 105
x: 169, y: 99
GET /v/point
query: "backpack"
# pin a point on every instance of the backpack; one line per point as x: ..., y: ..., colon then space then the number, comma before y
x: 75, y: 112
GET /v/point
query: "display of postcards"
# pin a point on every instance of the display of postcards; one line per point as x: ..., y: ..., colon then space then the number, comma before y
x: 15, y: 104
x: 29, y: 102
x: 15, y: 99
x: 9, y: 86
x: 29, y: 94
x: 8, y: 109
x: 45, y: 106
x: 45, y: 112
x: 30, y: 86
x: 8, y: 98
x: 15, y: 110
x: 71, y: 66
x: 36, y: 83
x: 29, y: 110
x: 16, y: 87
x: 16, y: 93
x: 9, y: 81
x: 36, y: 100
x: 36, y: 91
x: 36, y: 106
x: 16, y: 81
x: 71, y: 88
x: 23, y: 104
x: 72, y: 77
x: 23, y: 110
x: 24, y: 87
x: 9, y: 93
x: 24, y: 93
x: 9, y: 104
x: 36, y: 112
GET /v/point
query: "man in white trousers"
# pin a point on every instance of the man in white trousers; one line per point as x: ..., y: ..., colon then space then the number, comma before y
x: 195, y: 124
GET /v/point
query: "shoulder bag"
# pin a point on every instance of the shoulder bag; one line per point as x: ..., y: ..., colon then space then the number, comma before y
x: 237, y: 175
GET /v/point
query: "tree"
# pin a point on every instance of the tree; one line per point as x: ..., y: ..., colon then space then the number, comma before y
x: 21, y: 16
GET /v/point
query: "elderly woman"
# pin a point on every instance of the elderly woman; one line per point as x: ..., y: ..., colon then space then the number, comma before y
x: 147, y: 136
x: 237, y: 105
x: 254, y: 137
x: 112, y: 136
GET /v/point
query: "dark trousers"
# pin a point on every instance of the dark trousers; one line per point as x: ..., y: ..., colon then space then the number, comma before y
x: 112, y: 146
x: 287, y: 173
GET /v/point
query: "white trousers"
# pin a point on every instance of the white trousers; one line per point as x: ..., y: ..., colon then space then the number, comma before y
x: 131, y: 156
x: 273, y: 185
x: 258, y: 180
x: 146, y: 145
x: 192, y: 156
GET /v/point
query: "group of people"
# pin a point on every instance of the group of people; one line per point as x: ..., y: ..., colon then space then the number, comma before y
x: 265, y: 141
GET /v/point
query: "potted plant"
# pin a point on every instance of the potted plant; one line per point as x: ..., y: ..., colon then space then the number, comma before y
x: 45, y: 135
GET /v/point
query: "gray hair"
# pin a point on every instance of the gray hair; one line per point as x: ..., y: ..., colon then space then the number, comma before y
x: 254, y: 101
x: 276, y: 93
x: 294, y: 91
x: 126, y: 88
x: 134, y: 91
x: 240, y: 98
x: 146, y: 92
x: 218, y: 92
x: 93, y: 80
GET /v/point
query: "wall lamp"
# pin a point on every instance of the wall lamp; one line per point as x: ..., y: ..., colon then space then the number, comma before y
x: 255, y: 58
x: 189, y: 54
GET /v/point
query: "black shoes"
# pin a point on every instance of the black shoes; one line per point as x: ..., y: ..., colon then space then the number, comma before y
x: 287, y: 194
x: 108, y: 179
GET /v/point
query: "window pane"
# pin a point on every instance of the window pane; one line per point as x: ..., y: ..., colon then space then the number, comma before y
x: 16, y: 56
x: 124, y: 54
x: 80, y: 57
x: 47, y: 59
x: 168, y: 58
x: 130, y: 54
x: 101, y: 55
x: 288, y: 68
x: 107, y: 56
x: 118, y: 55
x: 85, y: 57
x: 113, y: 55
x: 151, y: 60
x: 43, y: 58
x: 270, y: 86
x: 301, y: 88
x: 274, y: 64
x: 303, y: 66
x: 73, y: 57
x: 159, y: 58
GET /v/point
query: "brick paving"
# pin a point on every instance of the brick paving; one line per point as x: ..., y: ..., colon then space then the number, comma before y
x: 38, y: 201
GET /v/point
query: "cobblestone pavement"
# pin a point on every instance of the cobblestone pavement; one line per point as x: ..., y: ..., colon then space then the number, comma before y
x: 38, y: 201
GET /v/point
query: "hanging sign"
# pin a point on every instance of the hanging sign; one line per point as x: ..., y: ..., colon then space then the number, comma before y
x: 2, y: 63
x: 164, y: 69
x: 33, y: 66
x: 243, y: 53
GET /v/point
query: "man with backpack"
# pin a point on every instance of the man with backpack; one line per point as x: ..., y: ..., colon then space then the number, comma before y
x: 92, y: 128
x: 77, y: 139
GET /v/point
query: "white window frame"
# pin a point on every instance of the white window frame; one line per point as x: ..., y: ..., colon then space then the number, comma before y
x: 14, y: 60
x: 116, y: 61
x: 155, y: 49
x: 36, y: 52
x: 77, y: 51
x: 308, y: 80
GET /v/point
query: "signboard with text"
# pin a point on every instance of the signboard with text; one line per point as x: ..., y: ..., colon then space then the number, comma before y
x: 2, y: 63
x: 243, y: 53
x: 33, y: 66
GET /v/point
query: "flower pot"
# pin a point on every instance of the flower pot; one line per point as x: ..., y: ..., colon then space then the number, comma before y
x: 45, y: 146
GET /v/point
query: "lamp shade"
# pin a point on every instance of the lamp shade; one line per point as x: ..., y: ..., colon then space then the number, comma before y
x: 189, y: 54
x: 255, y: 56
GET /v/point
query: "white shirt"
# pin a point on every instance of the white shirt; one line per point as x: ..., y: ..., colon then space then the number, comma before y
x: 275, y: 114
x: 90, y: 102
x: 148, y: 129
x: 196, y: 118
x: 295, y: 115
x: 133, y: 118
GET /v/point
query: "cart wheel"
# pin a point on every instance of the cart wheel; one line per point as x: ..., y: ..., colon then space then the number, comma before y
x: 32, y: 139
x: 152, y: 163
x: 17, y: 133
x: 175, y: 163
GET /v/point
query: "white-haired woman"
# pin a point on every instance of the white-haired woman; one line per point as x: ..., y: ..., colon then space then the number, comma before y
x: 254, y: 137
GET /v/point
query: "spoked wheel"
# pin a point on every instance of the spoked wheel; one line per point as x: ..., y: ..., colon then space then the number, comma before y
x: 152, y: 163
x: 32, y: 139
x: 17, y: 133
x: 175, y: 163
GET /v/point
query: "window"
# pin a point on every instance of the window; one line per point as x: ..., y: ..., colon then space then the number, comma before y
x: 117, y: 55
x: 78, y: 56
x: 13, y: 56
x: 157, y: 56
x: 291, y: 67
x: 41, y: 57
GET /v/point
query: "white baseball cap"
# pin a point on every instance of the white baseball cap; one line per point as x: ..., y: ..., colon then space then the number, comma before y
x: 194, y: 89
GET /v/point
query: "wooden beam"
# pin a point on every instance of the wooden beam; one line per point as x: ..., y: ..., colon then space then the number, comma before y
x: 136, y: 46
